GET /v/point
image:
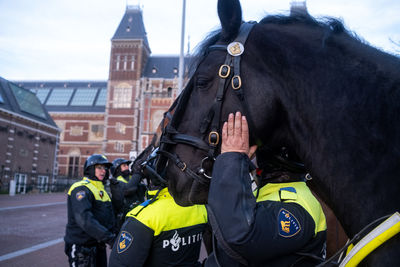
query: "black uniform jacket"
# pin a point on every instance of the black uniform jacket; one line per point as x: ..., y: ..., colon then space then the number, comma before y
x: 125, y: 192
x: 160, y: 234
x: 285, y: 220
x: 90, y: 214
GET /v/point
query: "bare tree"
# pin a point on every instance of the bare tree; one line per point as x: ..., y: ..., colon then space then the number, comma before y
x: 396, y: 44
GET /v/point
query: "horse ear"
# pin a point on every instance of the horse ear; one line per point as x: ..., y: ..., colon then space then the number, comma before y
x: 230, y: 15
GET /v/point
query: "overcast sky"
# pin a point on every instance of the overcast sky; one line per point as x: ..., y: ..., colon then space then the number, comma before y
x: 70, y: 40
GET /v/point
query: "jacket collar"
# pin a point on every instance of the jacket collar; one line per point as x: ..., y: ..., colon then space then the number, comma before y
x: 163, y: 193
x: 274, y: 187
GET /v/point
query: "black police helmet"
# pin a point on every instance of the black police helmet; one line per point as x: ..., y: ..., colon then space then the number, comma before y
x: 95, y: 159
x: 116, y: 163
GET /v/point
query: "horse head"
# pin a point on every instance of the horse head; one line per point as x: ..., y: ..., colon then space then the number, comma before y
x: 229, y: 76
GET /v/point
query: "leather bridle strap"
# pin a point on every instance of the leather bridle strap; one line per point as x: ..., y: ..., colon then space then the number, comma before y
x: 232, y: 60
x: 182, y: 166
x: 171, y: 136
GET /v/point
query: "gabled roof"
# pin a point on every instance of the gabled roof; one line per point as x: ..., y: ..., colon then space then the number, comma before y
x: 166, y: 67
x: 69, y: 96
x: 131, y: 26
x: 18, y: 100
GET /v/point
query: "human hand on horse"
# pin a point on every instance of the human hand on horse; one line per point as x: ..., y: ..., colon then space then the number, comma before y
x: 235, y: 135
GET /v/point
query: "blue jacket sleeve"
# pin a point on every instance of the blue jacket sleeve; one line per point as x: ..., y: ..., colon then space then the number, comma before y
x: 250, y: 229
x: 230, y: 197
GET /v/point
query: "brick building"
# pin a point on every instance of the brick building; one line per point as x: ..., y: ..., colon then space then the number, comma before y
x: 28, y: 140
x: 118, y: 116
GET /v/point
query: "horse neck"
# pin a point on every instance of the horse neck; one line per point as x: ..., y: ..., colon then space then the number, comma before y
x: 346, y: 132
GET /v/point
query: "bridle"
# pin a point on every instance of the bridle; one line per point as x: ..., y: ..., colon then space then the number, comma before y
x: 229, y: 74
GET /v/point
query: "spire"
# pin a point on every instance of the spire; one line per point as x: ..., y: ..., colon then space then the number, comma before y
x: 132, y: 3
x: 298, y: 8
x: 131, y: 26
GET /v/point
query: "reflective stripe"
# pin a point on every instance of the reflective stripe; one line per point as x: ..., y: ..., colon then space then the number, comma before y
x: 73, y: 254
x: 379, y: 235
x: 153, y: 216
x: 94, y: 186
x: 73, y: 251
x: 122, y: 179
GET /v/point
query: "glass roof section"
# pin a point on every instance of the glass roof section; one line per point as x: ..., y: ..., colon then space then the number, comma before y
x: 27, y: 101
x: 1, y: 99
x: 102, y: 98
x: 84, y: 97
x: 59, y: 97
x: 42, y: 94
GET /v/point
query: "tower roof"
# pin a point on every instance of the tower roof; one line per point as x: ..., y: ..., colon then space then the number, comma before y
x: 131, y: 26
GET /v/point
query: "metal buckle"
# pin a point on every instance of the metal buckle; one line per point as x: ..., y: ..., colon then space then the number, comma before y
x: 236, y: 82
x: 184, y: 167
x: 202, y: 171
x: 211, y: 136
x: 224, y: 69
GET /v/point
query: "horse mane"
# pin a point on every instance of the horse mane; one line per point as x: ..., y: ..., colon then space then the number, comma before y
x: 329, y: 25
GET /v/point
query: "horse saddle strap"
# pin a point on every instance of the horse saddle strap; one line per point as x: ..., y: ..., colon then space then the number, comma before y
x: 221, y: 241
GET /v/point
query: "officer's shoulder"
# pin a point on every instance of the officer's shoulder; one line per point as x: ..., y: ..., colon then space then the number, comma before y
x: 81, y: 183
x: 79, y: 186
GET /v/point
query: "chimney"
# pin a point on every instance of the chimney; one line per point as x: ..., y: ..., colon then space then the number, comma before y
x: 298, y: 8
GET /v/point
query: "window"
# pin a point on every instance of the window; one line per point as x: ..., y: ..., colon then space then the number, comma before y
x: 59, y: 97
x: 73, y: 166
x: 122, y: 97
x: 133, y: 63
x: 23, y: 152
x: 1, y: 99
x: 42, y: 94
x: 97, y: 130
x: 43, y: 183
x: 125, y: 61
x: 20, y: 180
x: 27, y: 101
x: 120, y: 128
x: 84, y: 97
x: 119, y: 147
x: 117, y: 63
x: 102, y: 98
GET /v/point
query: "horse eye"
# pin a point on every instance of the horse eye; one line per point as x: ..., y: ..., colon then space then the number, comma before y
x: 201, y: 83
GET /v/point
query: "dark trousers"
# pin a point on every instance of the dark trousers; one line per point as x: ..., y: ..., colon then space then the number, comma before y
x: 85, y: 256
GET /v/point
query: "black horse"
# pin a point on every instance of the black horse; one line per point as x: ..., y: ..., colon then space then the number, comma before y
x: 310, y: 87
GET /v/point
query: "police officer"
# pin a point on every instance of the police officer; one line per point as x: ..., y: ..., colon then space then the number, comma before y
x: 126, y: 190
x: 91, y: 222
x: 159, y: 232
x: 283, y: 226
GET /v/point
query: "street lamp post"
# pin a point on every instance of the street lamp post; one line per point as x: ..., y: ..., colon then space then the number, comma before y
x: 181, y: 56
